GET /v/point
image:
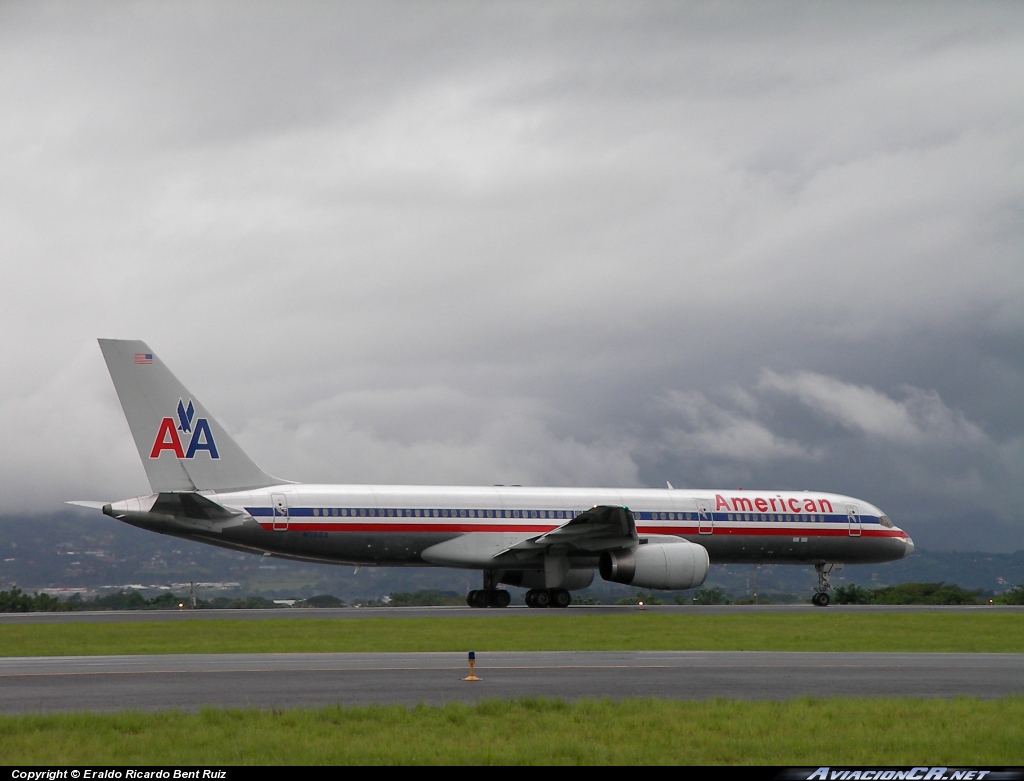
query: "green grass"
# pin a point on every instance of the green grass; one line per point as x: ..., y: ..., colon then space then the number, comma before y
x: 798, y: 732
x: 717, y: 732
x: 823, y: 631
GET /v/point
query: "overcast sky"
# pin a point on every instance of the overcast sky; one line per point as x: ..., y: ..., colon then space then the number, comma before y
x: 727, y: 245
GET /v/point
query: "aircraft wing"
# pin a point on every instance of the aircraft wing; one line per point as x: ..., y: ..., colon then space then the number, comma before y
x: 598, y: 529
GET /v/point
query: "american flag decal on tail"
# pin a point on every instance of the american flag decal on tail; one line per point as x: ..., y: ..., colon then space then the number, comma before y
x: 143, y: 358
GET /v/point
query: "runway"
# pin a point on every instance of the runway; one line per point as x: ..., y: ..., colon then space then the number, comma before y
x: 188, y: 682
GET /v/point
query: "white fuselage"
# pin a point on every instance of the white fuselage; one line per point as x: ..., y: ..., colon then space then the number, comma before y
x: 394, y: 525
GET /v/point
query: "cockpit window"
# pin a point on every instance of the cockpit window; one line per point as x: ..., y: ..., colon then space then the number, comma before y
x: 884, y: 520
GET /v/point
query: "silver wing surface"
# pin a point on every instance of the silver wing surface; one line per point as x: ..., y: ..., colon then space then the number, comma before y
x: 598, y: 529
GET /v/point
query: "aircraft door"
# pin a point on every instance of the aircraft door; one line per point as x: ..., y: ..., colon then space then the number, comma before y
x: 279, y: 503
x: 853, y: 516
x: 705, y: 521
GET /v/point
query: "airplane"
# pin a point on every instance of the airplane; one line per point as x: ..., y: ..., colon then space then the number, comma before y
x: 550, y: 541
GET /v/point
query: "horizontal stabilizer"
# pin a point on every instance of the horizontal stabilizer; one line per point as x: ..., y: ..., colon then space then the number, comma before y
x: 195, y: 507
x: 86, y: 503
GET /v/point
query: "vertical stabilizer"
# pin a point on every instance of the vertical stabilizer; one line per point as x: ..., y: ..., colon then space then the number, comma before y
x: 181, y: 446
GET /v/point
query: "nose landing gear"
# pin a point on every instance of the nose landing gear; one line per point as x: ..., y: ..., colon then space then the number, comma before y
x: 821, y: 597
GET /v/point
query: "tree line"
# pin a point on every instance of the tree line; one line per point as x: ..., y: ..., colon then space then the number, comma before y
x: 17, y: 601
x: 925, y: 594
x: 941, y: 593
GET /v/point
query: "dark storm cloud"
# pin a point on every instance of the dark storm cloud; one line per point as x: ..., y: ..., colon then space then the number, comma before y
x: 533, y: 243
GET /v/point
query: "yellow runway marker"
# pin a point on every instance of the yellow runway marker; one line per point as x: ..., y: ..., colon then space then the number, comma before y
x: 472, y: 661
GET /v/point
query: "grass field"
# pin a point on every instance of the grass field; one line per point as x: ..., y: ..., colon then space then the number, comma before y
x: 798, y: 732
x: 821, y: 631
x: 634, y: 732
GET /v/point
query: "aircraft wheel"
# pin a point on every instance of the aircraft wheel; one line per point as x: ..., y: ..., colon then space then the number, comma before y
x: 821, y: 599
x: 560, y: 597
x: 537, y: 597
x: 499, y: 598
x: 477, y: 598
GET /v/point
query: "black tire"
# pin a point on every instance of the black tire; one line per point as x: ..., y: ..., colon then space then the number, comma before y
x: 560, y: 597
x: 478, y: 598
x: 500, y: 598
x: 542, y: 598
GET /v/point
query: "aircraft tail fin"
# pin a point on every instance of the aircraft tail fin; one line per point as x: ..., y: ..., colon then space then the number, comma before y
x: 182, y: 447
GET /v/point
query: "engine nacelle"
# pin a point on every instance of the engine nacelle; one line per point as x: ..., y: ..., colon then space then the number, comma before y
x: 673, y: 565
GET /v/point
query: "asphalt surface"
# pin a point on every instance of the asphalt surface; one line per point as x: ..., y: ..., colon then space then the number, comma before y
x: 191, y: 681
x: 188, y: 682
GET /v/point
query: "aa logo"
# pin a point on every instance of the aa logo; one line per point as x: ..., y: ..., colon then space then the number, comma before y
x: 196, y: 429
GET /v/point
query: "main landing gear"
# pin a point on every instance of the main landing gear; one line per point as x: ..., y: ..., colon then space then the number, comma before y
x: 548, y: 597
x: 490, y: 595
x: 821, y: 597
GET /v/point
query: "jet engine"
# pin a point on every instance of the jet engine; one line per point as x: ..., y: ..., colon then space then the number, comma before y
x: 670, y: 565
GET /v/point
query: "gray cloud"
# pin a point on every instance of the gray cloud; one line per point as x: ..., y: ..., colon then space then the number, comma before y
x: 919, y: 419
x: 700, y: 428
x: 584, y: 243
